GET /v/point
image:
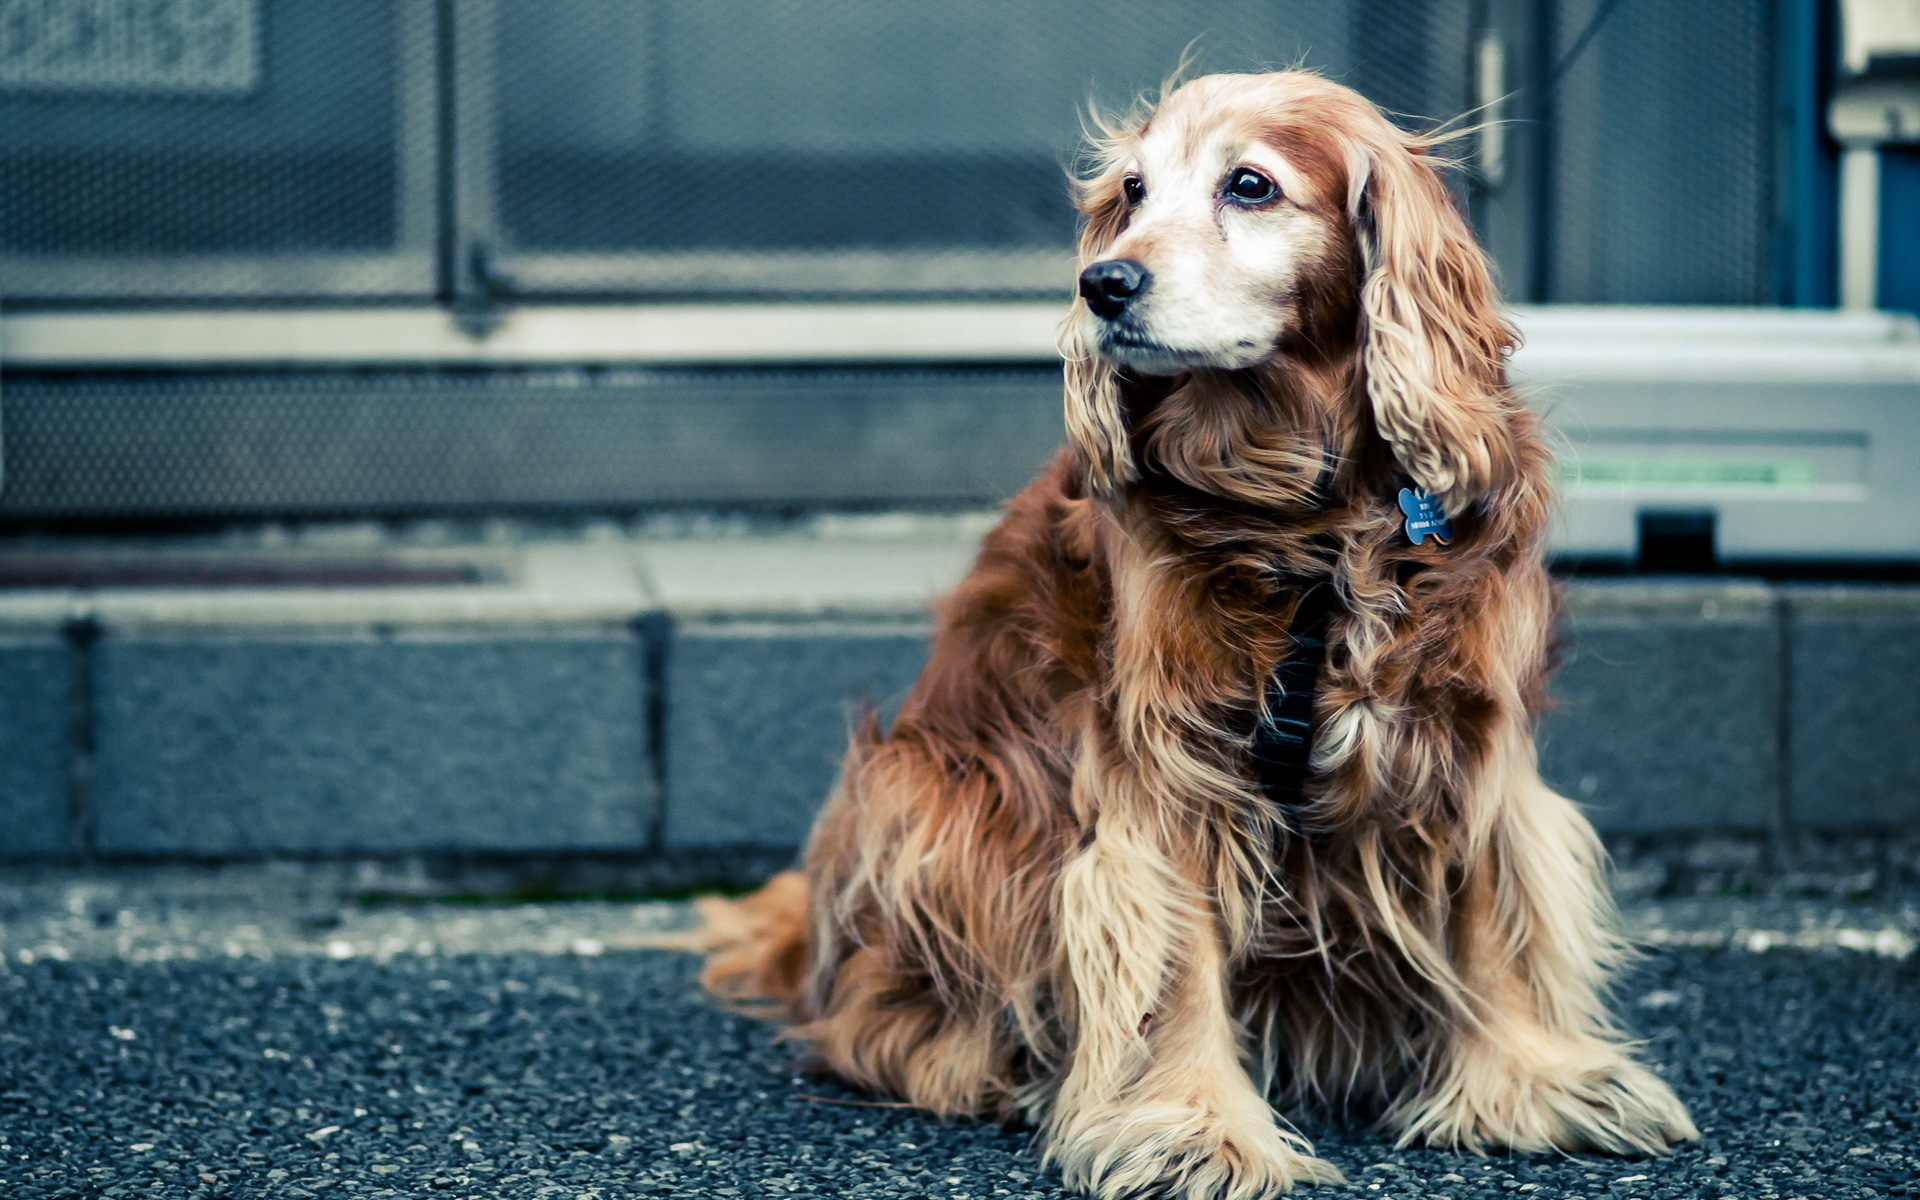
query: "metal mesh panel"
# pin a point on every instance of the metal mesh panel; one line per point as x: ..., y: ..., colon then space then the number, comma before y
x: 745, y: 126
x: 1661, y: 191
x: 338, y: 442
x: 1410, y: 56
x: 220, y: 133
x: 617, y: 148
x: 92, y: 168
x: 288, y: 148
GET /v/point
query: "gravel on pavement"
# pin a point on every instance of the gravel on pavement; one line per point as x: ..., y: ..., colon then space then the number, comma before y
x: 598, y: 1074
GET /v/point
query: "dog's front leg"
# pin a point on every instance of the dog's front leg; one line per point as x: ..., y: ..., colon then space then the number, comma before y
x: 1535, y: 1062
x: 1156, y: 1098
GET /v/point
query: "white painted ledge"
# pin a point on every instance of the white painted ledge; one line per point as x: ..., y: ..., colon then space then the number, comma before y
x: 1571, y: 343
x: 787, y: 575
x: 1562, y: 342
x: 582, y: 335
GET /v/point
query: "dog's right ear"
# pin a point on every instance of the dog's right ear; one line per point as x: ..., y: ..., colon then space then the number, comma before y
x: 1095, y: 405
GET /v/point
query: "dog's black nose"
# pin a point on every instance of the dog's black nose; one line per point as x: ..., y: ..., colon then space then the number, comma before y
x: 1108, y: 285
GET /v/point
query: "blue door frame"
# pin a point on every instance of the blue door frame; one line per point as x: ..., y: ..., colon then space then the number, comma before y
x: 1806, y: 266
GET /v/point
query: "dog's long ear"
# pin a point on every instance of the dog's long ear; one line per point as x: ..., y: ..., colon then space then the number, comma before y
x: 1095, y: 409
x: 1434, y: 342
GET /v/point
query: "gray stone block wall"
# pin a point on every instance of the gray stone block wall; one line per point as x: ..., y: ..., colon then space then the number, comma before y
x: 334, y: 741
x: 1854, y: 706
x: 758, y: 717
x: 36, y: 745
x: 509, y: 735
x: 1666, y: 702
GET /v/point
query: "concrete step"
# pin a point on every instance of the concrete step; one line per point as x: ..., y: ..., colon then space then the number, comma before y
x: 610, y: 694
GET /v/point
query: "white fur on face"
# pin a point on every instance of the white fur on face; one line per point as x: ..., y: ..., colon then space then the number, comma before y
x: 1222, y: 274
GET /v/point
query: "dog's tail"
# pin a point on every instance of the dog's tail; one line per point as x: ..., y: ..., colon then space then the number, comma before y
x: 756, y: 946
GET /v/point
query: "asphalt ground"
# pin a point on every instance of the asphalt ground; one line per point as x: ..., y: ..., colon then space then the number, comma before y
x: 599, y: 1073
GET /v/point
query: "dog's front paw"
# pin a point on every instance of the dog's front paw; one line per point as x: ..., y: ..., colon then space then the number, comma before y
x: 1187, y: 1152
x: 1613, y: 1105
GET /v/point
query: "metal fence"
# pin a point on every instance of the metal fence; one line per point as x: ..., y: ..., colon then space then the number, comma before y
x: 489, y: 153
x: 193, y: 148
x: 215, y: 445
x: 1662, y: 146
x: 301, y: 149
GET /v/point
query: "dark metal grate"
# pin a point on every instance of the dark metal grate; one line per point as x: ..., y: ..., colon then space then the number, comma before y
x: 744, y: 125
x: 1661, y: 192
x: 273, y: 443
x: 624, y: 148
x: 108, y: 170
x: 292, y: 148
x: 212, y: 147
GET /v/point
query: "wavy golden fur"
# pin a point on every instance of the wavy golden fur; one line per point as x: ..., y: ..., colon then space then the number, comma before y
x: 1053, y: 891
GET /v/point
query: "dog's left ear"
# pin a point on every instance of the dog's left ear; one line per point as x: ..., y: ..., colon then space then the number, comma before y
x: 1433, y: 342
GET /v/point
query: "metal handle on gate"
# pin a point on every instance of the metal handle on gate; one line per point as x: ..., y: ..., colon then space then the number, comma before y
x: 1490, y: 101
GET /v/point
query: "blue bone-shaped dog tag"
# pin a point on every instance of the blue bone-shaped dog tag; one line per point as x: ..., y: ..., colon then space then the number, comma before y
x: 1424, y: 518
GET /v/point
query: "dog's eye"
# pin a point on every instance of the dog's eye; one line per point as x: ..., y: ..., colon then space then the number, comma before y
x: 1134, y: 190
x: 1250, y: 185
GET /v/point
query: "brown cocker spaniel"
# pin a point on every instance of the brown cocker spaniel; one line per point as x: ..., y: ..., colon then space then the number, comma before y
x: 1090, y: 876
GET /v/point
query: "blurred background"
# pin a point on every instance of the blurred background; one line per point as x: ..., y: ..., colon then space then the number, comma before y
x: 481, y: 429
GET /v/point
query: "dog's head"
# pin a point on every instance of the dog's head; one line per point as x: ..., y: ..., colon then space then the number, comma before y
x: 1254, y: 220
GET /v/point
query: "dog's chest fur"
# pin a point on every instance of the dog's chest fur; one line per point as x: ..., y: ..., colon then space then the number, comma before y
x: 1168, y: 614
